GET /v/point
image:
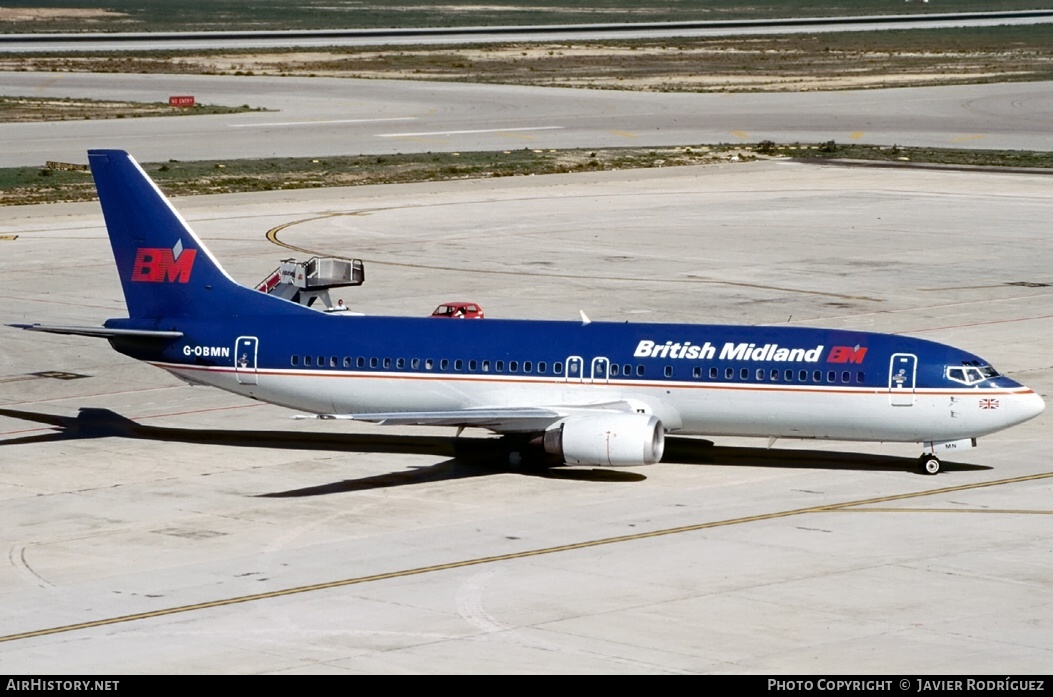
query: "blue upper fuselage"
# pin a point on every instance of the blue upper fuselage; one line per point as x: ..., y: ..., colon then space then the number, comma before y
x: 599, y: 350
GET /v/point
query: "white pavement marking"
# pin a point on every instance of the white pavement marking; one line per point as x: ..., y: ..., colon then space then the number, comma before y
x: 457, y: 133
x: 273, y: 124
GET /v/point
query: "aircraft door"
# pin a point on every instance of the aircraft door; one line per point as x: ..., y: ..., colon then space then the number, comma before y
x: 246, y: 349
x: 601, y: 368
x: 575, y: 369
x: 902, y: 372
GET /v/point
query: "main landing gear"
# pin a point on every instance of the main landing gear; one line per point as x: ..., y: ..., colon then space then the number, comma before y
x: 929, y: 464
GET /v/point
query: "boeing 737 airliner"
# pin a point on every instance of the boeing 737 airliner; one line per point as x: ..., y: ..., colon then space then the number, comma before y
x: 587, y: 393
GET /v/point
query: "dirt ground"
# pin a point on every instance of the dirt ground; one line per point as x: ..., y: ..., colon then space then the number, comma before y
x: 22, y: 109
x: 795, y: 63
x: 687, y: 71
x: 50, y: 14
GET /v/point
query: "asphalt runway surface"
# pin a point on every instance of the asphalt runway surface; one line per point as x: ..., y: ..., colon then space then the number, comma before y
x: 333, y: 116
x: 155, y: 527
x: 152, y: 41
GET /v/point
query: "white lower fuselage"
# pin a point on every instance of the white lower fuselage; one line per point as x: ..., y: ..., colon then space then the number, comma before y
x: 712, y: 409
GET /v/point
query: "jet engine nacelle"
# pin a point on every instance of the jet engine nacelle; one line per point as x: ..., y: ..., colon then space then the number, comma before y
x: 609, y: 440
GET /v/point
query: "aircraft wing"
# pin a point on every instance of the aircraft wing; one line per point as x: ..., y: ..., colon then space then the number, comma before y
x: 499, y: 419
x: 100, y: 332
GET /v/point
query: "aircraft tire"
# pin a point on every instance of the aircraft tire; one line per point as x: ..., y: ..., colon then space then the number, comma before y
x: 929, y: 464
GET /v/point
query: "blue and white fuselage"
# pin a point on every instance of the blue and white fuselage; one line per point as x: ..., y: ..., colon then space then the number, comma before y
x: 595, y: 392
x: 757, y: 381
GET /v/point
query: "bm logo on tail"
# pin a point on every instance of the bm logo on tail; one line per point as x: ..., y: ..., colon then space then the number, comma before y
x: 158, y: 265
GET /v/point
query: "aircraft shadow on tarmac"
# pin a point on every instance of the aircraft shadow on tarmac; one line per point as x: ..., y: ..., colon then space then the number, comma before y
x: 466, y: 457
x: 693, y: 451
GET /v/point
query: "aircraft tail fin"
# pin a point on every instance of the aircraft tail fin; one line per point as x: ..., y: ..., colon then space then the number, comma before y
x: 164, y: 268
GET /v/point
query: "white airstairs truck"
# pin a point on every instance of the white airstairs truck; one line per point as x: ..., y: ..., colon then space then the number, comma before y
x: 307, y: 282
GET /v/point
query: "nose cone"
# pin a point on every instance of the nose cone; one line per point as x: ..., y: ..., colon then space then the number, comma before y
x: 1025, y: 407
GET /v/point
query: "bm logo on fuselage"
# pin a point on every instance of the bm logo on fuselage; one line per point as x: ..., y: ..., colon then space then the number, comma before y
x: 159, y: 265
x: 846, y: 354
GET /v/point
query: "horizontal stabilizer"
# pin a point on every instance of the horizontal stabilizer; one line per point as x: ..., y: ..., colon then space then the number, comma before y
x: 100, y: 332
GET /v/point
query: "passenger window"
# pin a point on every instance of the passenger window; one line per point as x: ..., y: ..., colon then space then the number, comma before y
x: 713, y: 373
x: 400, y: 363
x: 486, y: 366
x: 295, y: 360
x: 541, y: 367
x: 513, y: 366
x: 415, y: 363
x: 861, y: 377
x: 803, y: 376
x: 387, y: 362
x: 347, y: 361
x: 640, y: 371
x: 458, y: 364
x: 831, y: 376
x: 696, y: 372
x: 744, y: 373
x: 321, y: 362
x: 557, y: 368
x: 627, y: 370
x: 361, y: 362
x: 444, y: 364
x: 307, y: 360
x: 428, y: 364
x: 669, y: 371
x: 846, y: 376
x: 787, y: 375
x: 729, y: 373
x: 526, y: 366
x: 817, y: 376
x: 373, y: 362
x: 760, y: 374
x: 500, y: 366
x: 774, y: 374
x: 473, y: 365
x: 334, y: 362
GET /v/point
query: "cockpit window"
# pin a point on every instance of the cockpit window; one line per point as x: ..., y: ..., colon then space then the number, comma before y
x: 970, y: 374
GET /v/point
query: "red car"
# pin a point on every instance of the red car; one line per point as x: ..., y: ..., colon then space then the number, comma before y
x: 459, y: 311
